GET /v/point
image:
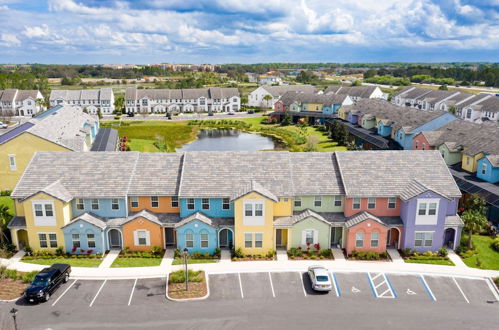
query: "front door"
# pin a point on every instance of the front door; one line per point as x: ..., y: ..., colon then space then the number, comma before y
x: 170, y: 237
x: 114, y: 238
x: 336, y: 235
x: 278, y: 237
x: 224, y: 238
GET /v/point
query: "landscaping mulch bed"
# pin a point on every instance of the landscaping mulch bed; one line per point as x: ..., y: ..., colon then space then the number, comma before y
x: 196, y: 289
x: 308, y: 258
x: 11, y: 289
x: 251, y: 258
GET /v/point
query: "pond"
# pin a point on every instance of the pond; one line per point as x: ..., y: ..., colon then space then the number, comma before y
x: 229, y: 140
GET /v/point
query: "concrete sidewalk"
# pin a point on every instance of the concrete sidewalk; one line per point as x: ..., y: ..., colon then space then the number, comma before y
x: 109, y: 258
x: 395, y: 256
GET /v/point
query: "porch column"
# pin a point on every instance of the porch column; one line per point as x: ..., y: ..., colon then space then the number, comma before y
x: 455, y: 238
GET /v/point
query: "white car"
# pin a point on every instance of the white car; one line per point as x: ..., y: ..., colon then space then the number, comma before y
x: 320, y: 278
x: 2, y: 125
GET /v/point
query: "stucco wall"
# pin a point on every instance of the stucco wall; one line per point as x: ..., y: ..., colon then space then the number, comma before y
x: 105, y: 208
x: 323, y: 229
x: 367, y: 227
x: 327, y: 204
x: 196, y: 228
x: 83, y: 228
x: 156, y: 234
x: 165, y: 205
x: 380, y: 210
x: 214, y: 211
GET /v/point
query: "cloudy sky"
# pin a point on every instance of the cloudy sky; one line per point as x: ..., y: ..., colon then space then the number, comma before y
x: 248, y: 31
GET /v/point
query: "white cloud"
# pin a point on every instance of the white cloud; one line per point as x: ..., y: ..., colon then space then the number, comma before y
x: 10, y: 39
x: 36, y: 31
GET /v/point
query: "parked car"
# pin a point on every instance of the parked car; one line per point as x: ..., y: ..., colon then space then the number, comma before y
x: 320, y: 278
x: 251, y: 111
x: 131, y: 114
x: 2, y: 125
x: 231, y: 112
x: 46, y: 282
x: 210, y: 114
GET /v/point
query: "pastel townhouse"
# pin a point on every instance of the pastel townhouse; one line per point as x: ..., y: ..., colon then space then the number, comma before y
x: 357, y: 93
x: 257, y: 98
x: 71, y: 200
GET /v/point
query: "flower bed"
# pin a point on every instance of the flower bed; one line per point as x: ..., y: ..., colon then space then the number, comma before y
x: 43, y: 257
x: 197, y: 285
x: 318, y: 253
x: 428, y: 257
x: 238, y: 255
x: 13, y: 283
x: 129, y: 258
x: 368, y: 255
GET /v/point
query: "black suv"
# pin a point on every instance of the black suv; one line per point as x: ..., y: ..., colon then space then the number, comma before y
x: 46, y: 282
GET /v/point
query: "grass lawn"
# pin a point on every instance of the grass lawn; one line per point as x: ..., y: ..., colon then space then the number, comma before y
x: 488, y: 257
x: 6, y: 200
x: 194, y: 261
x: 83, y: 262
x: 432, y: 262
x: 136, y: 262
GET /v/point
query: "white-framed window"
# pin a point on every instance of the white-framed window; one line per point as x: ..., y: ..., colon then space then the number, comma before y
x: 297, y: 201
x: 359, y: 240
x: 189, y: 240
x: 337, y: 200
x: 484, y: 168
x: 76, y: 240
x: 204, y: 240
x: 468, y: 160
x: 417, y: 144
x: 371, y: 203
x: 205, y: 203
x: 423, y: 238
x: 91, y: 240
x: 226, y: 204
x: 80, y: 204
x: 392, y: 202
x: 424, y: 146
x: 12, y: 162
x: 374, y: 239
x: 42, y: 239
x: 309, y: 236
x: 43, y: 212
x: 427, y: 211
x: 248, y: 240
x: 318, y: 201
x: 142, y: 238
x: 174, y: 201
x: 154, y: 201
x: 190, y: 203
x: 134, y: 201
x: 115, y: 205
x: 356, y: 203
x: 253, y: 213
x: 258, y: 240
x: 95, y: 204
x: 53, y: 240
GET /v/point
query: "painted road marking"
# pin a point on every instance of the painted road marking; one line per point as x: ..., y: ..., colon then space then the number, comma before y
x: 336, y: 287
x: 465, y: 298
x: 390, y: 285
x: 381, y: 286
x: 410, y: 292
x: 93, y: 300
x: 240, y: 285
x: 355, y: 290
x: 302, y: 284
x: 131, y: 293
x: 427, y: 288
x: 491, y: 287
x: 69, y: 287
x: 371, y: 284
x: 271, y: 285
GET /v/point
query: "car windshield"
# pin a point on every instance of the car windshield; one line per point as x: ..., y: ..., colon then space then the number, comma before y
x: 40, y: 280
x: 322, y: 278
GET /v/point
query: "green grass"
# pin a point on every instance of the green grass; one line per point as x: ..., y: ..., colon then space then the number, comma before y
x: 83, y: 262
x: 136, y: 262
x: 6, y: 200
x: 489, y: 258
x: 194, y: 261
x: 431, y: 262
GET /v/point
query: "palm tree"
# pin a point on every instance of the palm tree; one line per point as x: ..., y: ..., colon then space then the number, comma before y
x: 267, y: 98
x: 4, y: 220
x: 473, y: 222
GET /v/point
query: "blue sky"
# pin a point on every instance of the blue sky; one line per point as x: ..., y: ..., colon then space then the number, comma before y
x: 248, y: 31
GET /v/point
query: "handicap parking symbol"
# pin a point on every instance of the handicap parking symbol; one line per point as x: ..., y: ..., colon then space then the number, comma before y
x: 355, y: 290
x: 410, y: 292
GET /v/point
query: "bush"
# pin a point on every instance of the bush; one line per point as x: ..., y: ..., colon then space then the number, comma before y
x: 156, y: 250
x: 238, y: 253
x: 28, y: 250
x: 217, y: 253
x: 179, y: 276
x: 326, y: 253
x: 59, y: 251
x: 5, y: 192
x: 443, y: 252
x: 271, y: 254
x: 28, y: 277
x: 495, y: 244
x: 368, y: 255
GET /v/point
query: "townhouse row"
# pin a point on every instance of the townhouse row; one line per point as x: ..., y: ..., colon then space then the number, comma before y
x: 255, y: 201
x: 15, y: 102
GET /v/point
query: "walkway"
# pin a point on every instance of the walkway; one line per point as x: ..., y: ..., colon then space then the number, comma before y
x: 395, y: 256
x: 282, y: 255
x: 225, y: 256
x: 456, y: 259
x: 109, y: 259
x: 14, y: 259
x: 338, y: 254
x: 167, y: 258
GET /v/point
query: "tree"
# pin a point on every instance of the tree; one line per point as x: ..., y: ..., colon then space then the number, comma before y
x: 312, y: 142
x: 473, y: 222
x: 5, y: 218
x: 286, y: 121
x: 304, y: 77
x: 342, y: 135
x: 267, y: 98
x: 475, y: 203
x: 244, y: 100
x: 356, y: 83
x: 119, y: 103
x: 99, y: 114
x: 452, y: 110
x: 370, y: 73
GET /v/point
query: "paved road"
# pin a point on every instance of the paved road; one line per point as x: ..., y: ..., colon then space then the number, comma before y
x: 275, y: 300
x: 187, y: 116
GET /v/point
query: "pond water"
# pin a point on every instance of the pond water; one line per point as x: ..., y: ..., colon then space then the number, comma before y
x: 229, y: 140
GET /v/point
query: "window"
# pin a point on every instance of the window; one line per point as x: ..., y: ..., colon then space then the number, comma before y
x: 371, y: 203
x: 468, y: 114
x: 467, y: 160
x: 417, y: 144
x: 359, y: 239
x: 43, y: 240
x: 297, y: 202
x: 53, y: 240
x: 422, y: 209
x: 226, y: 204
x: 80, y: 205
x: 356, y: 204
x: 424, y: 146
x: 91, y: 240
x: 190, y: 203
x: 374, y: 239
x: 115, y: 204
x: 258, y: 210
x: 427, y: 211
x: 154, y: 201
x: 423, y: 239
x: 44, y: 213
x: 337, y: 201
x: 38, y: 210
x: 189, y: 240
x: 309, y: 237
x: 432, y: 209
x: 258, y: 240
x: 95, y: 204
x: 76, y: 240
x: 248, y: 210
x: 141, y: 237
x: 392, y: 202
x: 318, y: 201
x: 134, y: 201
x: 484, y: 168
x: 12, y: 162
x: 204, y: 240
x: 205, y: 203
x: 174, y: 201
x: 248, y: 240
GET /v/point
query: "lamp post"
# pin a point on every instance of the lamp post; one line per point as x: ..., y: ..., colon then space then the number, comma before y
x: 186, y: 253
x: 13, y: 311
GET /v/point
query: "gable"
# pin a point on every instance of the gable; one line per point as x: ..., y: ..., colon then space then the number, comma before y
x: 141, y: 222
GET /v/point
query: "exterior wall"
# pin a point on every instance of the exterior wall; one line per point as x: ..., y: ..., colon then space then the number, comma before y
x: 342, y: 114
x: 323, y: 229
x: 406, y: 140
x: 327, y: 205
x: 384, y: 130
x: 104, y: 210
x: 283, y: 208
x: 314, y: 107
x: 368, y: 123
x: 83, y: 228
x: 294, y: 107
x: 421, y: 143
x: 279, y: 106
x: 267, y: 229
x: 381, y: 209
x: 353, y: 119
x: 156, y: 234
x: 470, y: 163
x: 214, y: 211
x: 197, y: 227
x: 450, y: 158
x: 367, y: 227
x: 490, y: 173
x: 23, y: 147
x: 165, y: 205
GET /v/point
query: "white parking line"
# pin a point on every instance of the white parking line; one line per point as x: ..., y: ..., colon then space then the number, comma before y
x: 491, y: 285
x: 69, y: 287
x: 271, y: 285
x: 375, y: 277
x: 460, y: 290
x: 93, y: 300
x: 131, y: 293
x: 302, y: 284
x: 240, y: 285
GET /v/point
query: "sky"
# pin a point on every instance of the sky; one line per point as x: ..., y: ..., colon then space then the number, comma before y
x: 248, y: 31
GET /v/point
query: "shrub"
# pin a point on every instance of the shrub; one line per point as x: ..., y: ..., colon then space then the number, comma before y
x: 59, y: 251
x: 271, y: 254
x: 238, y: 253
x: 28, y: 277
x: 28, y: 250
x: 443, y: 252
x: 156, y: 250
x: 495, y: 244
x: 5, y: 192
x: 179, y: 276
x: 326, y: 253
x: 177, y: 254
x: 217, y: 253
x: 407, y: 252
x: 367, y: 255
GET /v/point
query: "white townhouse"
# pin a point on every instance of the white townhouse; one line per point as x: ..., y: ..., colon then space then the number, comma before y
x: 482, y: 107
x: 216, y: 99
x: 257, y: 97
x: 90, y: 99
x: 15, y: 102
x: 357, y: 93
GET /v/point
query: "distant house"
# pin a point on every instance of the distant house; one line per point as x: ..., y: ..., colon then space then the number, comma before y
x: 356, y: 93
x: 257, y: 97
x: 312, y: 102
x: 15, y: 102
x: 90, y: 99
x: 269, y: 80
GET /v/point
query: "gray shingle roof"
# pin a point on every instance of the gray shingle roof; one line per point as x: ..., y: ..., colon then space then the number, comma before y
x: 143, y: 214
x: 454, y: 220
x: 278, y: 91
x: 195, y: 216
x: 89, y: 218
x: 304, y: 97
x: 132, y: 93
x: 101, y: 94
x: 361, y: 217
x: 17, y: 222
x: 254, y: 186
x: 494, y: 160
x: 355, y: 91
x: 416, y: 188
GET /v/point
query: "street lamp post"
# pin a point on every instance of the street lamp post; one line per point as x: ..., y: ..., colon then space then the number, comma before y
x: 186, y: 253
x: 13, y: 311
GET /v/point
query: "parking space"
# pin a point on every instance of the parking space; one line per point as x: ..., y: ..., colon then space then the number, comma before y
x: 444, y: 289
x: 354, y: 285
x: 409, y: 287
x: 80, y: 294
x: 225, y: 287
x: 115, y: 292
x: 149, y: 291
x: 288, y: 285
x: 256, y: 286
x: 476, y: 291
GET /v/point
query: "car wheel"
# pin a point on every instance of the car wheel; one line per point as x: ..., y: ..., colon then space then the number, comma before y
x: 66, y: 278
x: 46, y: 297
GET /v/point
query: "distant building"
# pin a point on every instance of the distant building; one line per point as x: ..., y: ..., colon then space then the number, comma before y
x: 90, y: 99
x: 356, y: 93
x: 257, y: 97
x: 269, y: 80
x: 15, y: 102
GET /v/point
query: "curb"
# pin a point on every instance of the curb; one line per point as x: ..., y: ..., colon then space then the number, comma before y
x: 12, y: 300
x: 206, y: 276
